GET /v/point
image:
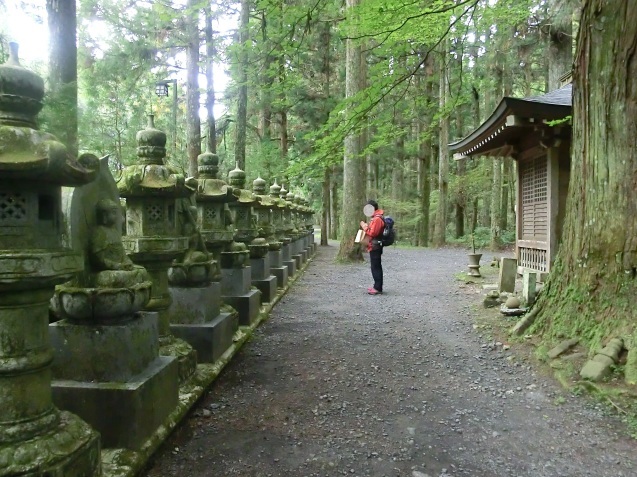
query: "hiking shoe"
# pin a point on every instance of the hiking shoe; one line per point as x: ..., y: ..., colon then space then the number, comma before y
x: 373, y: 291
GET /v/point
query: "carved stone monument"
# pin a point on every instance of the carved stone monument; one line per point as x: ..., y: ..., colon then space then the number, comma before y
x: 107, y: 367
x: 35, y: 438
x: 262, y: 278
x: 288, y: 233
x: 153, y: 236
x: 195, y: 313
x: 278, y: 269
x: 296, y: 247
x: 236, y: 281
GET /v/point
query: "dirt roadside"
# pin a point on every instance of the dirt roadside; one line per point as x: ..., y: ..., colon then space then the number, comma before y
x: 338, y: 382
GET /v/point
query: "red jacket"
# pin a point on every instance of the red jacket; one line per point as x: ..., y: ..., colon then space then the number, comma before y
x: 375, y: 228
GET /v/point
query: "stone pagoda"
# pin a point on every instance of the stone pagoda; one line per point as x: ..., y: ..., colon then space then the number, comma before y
x: 35, y: 438
x: 153, y: 235
x: 236, y: 281
x: 107, y: 365
x: 196, y: 314
x: 288, y: 231
x: 262, y: 277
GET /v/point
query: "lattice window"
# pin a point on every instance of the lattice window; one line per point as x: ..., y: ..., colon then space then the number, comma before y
x: 242, y: 214
x: 210, y: 213
x: 534, y: 182
x: 533, y: 259
x: 13, y: 207
x: 155, y: 212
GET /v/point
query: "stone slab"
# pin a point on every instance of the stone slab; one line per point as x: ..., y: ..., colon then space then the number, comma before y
x: 298, y: 260
x: 104, y: 353
x: 291, y: 264
x: 260, y: 268
x: 197, y: 305
x: 211, y: 339
x: 235, y: 281
x: 267, y: 287
x: 276, y: 258
x: 125, y: 414
x: 595, y: 371
x: 529, y: 283
x: 281, y: 274
x: 508, y: 274
x: 286, y: 253
x: 563, y: 347
x: 247, y: 306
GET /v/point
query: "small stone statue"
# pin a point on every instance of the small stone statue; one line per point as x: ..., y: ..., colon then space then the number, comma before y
x: 111, y: 266
x: 197, y: 252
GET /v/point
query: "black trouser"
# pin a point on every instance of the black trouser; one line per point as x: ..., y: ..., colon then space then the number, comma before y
x: 377, y: 268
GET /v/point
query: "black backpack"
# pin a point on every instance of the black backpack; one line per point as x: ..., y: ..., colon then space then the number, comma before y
x: 388, y: 236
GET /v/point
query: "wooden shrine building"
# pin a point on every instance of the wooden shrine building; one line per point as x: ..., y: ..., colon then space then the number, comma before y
x: 529, y: 130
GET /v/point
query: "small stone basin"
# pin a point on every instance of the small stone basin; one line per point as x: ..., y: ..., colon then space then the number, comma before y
x: 193, y: 274
x: 100, y: 304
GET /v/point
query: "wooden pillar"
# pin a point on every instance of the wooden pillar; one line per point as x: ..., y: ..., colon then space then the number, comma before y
x: 552, y: 199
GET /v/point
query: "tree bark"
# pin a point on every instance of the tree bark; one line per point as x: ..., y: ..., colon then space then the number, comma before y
x: 62, y: 22
x: 326, y: 206
x: 496, y: 197
x: 353, y: 184
x: 211, y: 133
x: 504, y: 199
x: 443, y: 155
x: 334, y: 206
x: 560, y: 40
x: 591, y: 289
x: 193, y: 122
x: 242, y: 98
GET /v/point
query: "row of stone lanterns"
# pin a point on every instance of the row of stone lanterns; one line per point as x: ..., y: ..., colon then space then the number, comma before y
x: 136, y: 299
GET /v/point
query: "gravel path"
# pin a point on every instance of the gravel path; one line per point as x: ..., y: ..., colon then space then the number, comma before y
x: 338, y: 382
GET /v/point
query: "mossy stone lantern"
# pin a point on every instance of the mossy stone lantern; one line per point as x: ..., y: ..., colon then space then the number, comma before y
x: 35, y: 438
x: 265, y: 211
x: 247, y: 231
x: 278, y: 214
x: 153, y: 237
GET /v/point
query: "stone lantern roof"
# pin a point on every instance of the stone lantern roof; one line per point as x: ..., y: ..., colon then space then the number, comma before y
x: 208, y: 165
x: 26, y: 152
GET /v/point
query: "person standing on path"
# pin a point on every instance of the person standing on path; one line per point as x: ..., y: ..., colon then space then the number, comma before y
x: 373, y: 231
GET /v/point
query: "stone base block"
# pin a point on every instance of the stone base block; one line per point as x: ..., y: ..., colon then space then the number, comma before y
x: 267, y: 288
x: 195, y: 305
x: 247, y: 305
x: 104, y: 353
x: 210, y: 340
x: 276, y: 258
x: 72, y: 449
x: 281, y: 274
x: 291, y: 264
x: 127, y: 413
x: 235, y: 281
x: 260, y: 268
x: 186, y: 355
x: 299, y: 260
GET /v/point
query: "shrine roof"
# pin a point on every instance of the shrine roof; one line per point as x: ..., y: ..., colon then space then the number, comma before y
x: 514, y: 117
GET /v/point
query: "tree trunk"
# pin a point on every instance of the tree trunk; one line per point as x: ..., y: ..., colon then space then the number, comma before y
x: 334, y: 207
x: 242, y: 98
x: 326, y: 206
x: 591, y: 289
x: 193, y: 122
x: 560, y: 40
x: 496, y: 192
x: 443, y: 155
x: 353, y: 184
x: 62, y: 98
x: 459, y: 206
x: 211, y: 133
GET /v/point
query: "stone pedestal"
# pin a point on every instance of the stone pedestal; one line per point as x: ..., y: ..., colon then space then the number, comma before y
x: 278, y: 269
x: 196, y: 318
x: 113, y: 377
x: 262, y: 279
x: 529, y: 281
x: 236, y: 291
x: 288, y: 261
